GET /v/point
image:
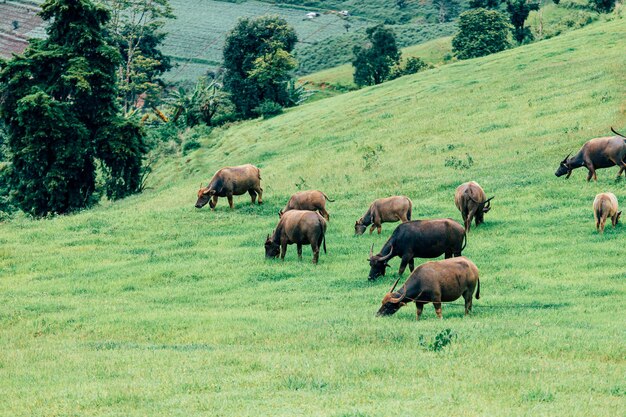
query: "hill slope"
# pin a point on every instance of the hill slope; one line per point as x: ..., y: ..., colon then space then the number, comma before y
x: 151, y: 307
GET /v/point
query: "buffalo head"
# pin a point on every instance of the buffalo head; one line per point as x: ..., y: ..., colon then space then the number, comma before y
x: 392, y: 301
x: 378, y: 263
x: 272, y: 250
x: 359, y: 227
x: 482, y: 209
x: 564, y: 168
x: 204, y: 196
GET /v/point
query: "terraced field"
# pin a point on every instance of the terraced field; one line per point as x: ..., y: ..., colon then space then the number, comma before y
x: 18, y: 23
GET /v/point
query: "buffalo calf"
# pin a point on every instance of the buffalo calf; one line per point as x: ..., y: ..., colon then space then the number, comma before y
x: 605, y: 206
x: 383, y: 210
x: 312, y: 200
x: 472, y: 202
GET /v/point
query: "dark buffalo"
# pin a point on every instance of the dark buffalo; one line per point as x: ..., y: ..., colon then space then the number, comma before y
x: 435, y: 282
x: 597, y: 153
x: 390, y: 209
x: 301, y: 227
x: 472, y: 202
x: 230, y: 181
x: 418, y: 239
x: 308, y: 200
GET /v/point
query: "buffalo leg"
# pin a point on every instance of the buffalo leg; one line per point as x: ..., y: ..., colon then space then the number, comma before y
x: 403, y: 264
x: 283, y: 249
x: 372, y: 228
x: 324, y: 213
x: 213, y: 202
x: 252, y: 195
x: 437, y: 306
x: 259, y: 191
x: 316, y: 252
x: 468, y: 302
x: 411, y: 265
x: 419, y: 308
x: 299, y: 246
x: 380, y: 228
x: 230, y: 200
x: 447, y: 255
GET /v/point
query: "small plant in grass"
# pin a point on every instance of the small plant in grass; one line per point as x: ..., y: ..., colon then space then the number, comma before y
x: 371, y: 156
x: 301, y: 184
x: 441, y: 340
x: 459, y: 163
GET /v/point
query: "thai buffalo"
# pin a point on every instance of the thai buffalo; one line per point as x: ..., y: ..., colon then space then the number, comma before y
x: 435, y: 282
x: 302, y: 227
x: 605, y: 206
x: 383, y: 210
x: 308, y: 200
x: 230, y: 181
x: 418, y: 239
x: 472, y: 202
x: 597, y: 153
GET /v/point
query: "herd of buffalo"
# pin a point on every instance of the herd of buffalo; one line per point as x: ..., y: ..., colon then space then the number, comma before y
x: 304, y: 221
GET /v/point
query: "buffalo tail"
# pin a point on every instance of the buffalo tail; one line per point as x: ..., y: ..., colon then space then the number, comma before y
x: 408, y: 215
x: 327, y: 199
x: 464, y: 241
x: 478, y: 289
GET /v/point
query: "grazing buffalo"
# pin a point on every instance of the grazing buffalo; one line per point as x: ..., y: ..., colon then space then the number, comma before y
x: 308, y: 200
x: 435, y: 282
x: 597, y: 153
x: 230, y: 181
x: 390, y: 209
x: 418, y: 239
x: 472, y: 202
x: 605, y: 206
x: 301, y: 227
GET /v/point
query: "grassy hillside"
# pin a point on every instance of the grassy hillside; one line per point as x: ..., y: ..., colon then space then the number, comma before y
x: 340, y: 78
x: 151, y: 307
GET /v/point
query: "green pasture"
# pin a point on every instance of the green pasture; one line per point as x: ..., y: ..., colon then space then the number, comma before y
x: 149, y: 306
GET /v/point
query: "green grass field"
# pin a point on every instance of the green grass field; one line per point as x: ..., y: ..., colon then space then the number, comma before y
x: 340, y: 78
x: 149, y: 306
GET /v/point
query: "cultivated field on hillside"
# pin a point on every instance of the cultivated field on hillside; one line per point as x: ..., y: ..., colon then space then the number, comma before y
x: 149, y: 306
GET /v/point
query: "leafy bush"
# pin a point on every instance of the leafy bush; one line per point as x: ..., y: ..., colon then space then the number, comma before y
x: 190, y: 145
x: 481, y: 32
x: 442, y: 339
x: 411, y: 65
x: 268, y: 109
x: 458, y: 163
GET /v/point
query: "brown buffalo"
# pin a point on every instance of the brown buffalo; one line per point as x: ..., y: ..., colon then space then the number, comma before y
x: 383, y: 210
x: 418, y: 239
x: 597, y: 153
x: 230, y: 181
x: 472, y: 202
x: 308, y: 200
x: 435, y: 282
x: 605, y: 206
x: 302, y: 227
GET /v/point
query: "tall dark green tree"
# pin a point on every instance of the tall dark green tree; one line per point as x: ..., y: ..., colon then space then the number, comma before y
x: 518, y: 12
x: 255, y: 45
x: 481, y: 32
x: 59, y: 103
x: 374, y: 61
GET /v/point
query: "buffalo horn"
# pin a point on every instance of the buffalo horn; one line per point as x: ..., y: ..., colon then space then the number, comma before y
x: 372, y: 251
x: 487, y: 206
x: 617, y: 133
x: 393, y: 287
x: 384, y: 258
